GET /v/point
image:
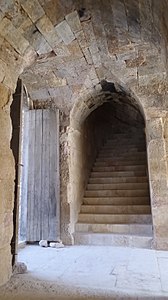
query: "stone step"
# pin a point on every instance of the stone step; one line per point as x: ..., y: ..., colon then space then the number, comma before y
x: 110, y: 239
x: 140, y: 229
x: 120, y: 153
x: 125, y: 157
x: 115, y: 218
x: 118, y: 162
x: 117, y: 193
x: 125, y: 144
x: 144, y: 200
x: 123, y: 148
x: 118, y: 174
x: 118, y: 186
x: 126, y: 135
x: 118, y: 179
x: 126, y: 139
x: 116, y: 209
x: 120, y: 168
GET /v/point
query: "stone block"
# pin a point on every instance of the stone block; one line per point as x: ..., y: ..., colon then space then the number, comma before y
x: 4, y: 93
x: 6, y: 263
x: 160, y: 220
x: 154, y: 128
x: 65, y: 32
x: 74, y: 50
x: 158, y: 189
x: 40, y: 44
x: 157, y: 163
x: 62, y: 50
x: 54, y: 10
x: 47, y: 29
x: 13, y: 36
x: 74, y: 21
x: 33, y: 9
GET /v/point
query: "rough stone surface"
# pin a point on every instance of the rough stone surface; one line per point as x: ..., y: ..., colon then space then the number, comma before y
x: 63, y: 51
x: 19, y: 268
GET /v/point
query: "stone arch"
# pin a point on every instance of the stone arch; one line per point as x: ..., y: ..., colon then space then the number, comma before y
x: 89, y: 101
x: 28, y: 38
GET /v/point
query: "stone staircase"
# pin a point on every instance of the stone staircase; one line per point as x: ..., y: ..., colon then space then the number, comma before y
x: 116, y: 204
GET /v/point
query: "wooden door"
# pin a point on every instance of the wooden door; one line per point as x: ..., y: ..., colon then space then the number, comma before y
x: 43, y: 218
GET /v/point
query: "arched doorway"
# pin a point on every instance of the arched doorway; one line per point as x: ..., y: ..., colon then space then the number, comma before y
x: 110, y: 158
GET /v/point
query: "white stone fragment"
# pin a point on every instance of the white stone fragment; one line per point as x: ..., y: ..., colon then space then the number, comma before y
x: 56, y: 245
x: 20, y: 268
x: 43, y: 243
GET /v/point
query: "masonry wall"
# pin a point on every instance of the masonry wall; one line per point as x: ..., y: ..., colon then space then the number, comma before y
x: 7, y: 174
x: 121, y: 44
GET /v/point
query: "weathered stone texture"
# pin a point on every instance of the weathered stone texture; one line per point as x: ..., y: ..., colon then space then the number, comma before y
x: 6, y: 185
x: 122, y: 42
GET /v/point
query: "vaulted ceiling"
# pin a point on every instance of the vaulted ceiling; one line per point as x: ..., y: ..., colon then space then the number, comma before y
x: 65, y: 48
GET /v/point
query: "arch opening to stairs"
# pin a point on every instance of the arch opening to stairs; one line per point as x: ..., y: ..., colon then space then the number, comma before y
x: 114, y: 206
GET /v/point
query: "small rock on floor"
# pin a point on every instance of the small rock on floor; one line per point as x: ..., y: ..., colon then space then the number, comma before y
x: 43, y: 243
x: 20, y: 268
x: 56, y: 245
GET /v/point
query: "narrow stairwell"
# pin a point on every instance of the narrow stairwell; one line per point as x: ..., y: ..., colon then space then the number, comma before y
x: 116, y: 205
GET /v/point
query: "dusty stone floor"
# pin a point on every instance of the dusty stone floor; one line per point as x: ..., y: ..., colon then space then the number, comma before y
x: 90, y: 272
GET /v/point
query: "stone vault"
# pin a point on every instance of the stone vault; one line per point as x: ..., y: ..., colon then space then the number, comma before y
x: 62, y: 51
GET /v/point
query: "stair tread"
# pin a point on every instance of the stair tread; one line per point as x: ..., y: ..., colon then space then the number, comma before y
x: 116, y: 203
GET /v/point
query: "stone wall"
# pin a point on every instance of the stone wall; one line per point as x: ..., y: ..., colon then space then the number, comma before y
x: 63, y: 51
x: 6, y: 185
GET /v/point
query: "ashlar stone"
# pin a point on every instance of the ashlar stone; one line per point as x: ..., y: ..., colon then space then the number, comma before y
x: 33, y: 9
x: 64, y: 31
x: 74, y: 21
x: 13, y: 36
x: 47, y: 29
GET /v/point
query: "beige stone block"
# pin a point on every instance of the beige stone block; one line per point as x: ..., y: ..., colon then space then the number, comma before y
x: 74, y: 21
x: 157, y: 163
x: 6, y: 263
x: 33, y: 9
x: 4, y: 96
x: 64, y: 31
x: 154, y: 128
x: 13, y: 36
x: 160, y: 221
x: 55, y: 10
x: 158, y: 189
x: 47, y: 29
x: 6, y: 234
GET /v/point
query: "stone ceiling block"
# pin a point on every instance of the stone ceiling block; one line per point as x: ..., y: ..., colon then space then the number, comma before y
x: 41, y: 94
x: 13, y: 36
x: 74, y: 21
x: 65, y: 32
x: 33, y: 9
x: 47, y: 29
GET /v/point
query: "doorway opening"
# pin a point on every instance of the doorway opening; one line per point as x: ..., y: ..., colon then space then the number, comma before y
x: 115, y: 208
x: 35, y: 144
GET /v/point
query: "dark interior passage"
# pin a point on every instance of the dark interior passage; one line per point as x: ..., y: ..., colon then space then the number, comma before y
x: 115, y: 208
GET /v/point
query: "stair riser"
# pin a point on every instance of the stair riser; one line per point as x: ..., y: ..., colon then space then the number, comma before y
x: 115, y: 219
x: 102, y: 209
x: 118, y: 180
x: 117, y: 193
x: 118, y: 186
x: 115, y: 228
x: 120, y: 168
x: 113, y: 162
x: 111, y: 158
x: 117, y: 201
x: 112, y: 240
x: 118, y: 174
